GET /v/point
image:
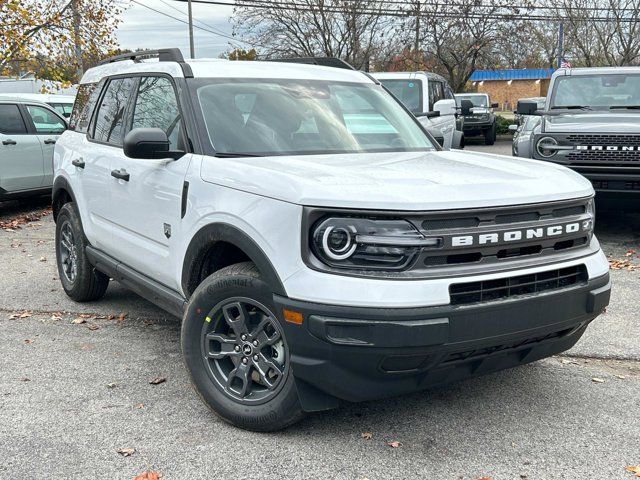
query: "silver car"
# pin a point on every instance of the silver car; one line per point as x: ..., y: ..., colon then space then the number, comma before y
x: 28, y: 133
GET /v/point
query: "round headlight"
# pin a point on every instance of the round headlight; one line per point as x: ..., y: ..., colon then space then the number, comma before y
x: 543, y: 146
x: 339, y: 243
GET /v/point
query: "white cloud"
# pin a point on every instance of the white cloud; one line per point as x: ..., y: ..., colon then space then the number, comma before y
x: 142, y: 28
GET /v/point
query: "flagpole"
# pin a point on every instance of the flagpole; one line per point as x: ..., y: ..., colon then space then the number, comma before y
x: 560, y: 44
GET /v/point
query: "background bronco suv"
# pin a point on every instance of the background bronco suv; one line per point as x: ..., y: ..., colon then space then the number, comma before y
x: 591, y: 124
x: 315, y: 240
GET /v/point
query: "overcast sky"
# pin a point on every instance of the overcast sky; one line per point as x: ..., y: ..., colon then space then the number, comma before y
x: 142, y: 28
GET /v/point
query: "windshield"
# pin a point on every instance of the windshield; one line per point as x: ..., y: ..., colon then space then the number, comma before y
x: 408, y: 92
x: 530, y: 123
x: 596, y: 91
x: 477, y: 100
x: 280, y: 117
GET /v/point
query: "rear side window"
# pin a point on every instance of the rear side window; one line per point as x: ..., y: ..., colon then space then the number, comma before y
x: 45, y: 121
x: 110, y: 116
x: 83, y: 107
x: 11, y: 121
x: 157, y: 107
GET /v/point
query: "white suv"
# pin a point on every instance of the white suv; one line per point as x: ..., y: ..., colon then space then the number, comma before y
x: 315, y: 240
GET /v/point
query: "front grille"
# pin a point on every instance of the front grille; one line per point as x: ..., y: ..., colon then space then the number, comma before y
x: 604, y: 156
x: 596, y: 156
x: 618, y: 185
x: 604, y: 139
x: 499, y: 221
x: 502, y: 288
x: 500, y: 217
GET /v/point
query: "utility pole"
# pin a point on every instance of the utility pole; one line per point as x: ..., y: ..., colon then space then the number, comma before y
x: 560, y: 43
x: 191, y: 46
x: 416, y: 41
x: 76, y: 38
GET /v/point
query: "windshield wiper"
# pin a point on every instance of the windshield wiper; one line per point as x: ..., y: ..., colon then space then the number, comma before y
x: 630, y: 107
x: 235, y: 155
x: 571, y: 107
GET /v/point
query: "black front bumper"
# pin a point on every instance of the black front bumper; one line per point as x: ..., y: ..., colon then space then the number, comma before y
x: 356, y: 353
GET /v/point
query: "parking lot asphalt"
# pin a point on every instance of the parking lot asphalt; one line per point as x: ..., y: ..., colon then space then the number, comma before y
x: 74, y: 388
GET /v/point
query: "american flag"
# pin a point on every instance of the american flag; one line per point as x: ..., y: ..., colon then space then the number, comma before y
x: 565, y: 64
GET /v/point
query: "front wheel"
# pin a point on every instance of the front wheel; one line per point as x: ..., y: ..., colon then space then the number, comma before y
x: 236, y: 353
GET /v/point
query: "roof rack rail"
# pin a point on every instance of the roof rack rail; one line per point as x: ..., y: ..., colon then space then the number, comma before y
x: 163, y: 54
x: 321, y: 61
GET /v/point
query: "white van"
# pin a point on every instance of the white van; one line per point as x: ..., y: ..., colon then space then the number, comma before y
x: 431, y: 99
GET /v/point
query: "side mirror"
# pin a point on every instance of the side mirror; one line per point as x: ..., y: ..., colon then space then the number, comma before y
x: 149, y: 144
x: 465, y: 107
x: 494, y: 105
x: 428, y: 114
x: 527, y: 107
x: 513, y: 127
x: 445, y: 107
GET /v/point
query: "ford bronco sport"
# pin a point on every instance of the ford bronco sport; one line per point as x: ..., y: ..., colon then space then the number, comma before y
x: 316, y: 242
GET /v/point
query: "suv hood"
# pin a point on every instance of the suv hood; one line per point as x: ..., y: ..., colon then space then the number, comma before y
x: 621, y: 121
x: 399, y: 181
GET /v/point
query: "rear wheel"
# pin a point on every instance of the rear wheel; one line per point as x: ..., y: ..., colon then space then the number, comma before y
x: 79, y: 279
x: 236, y: 352
x: 490, y: 135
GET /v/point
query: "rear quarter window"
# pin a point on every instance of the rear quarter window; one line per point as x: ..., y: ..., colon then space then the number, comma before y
x: 83, y: 107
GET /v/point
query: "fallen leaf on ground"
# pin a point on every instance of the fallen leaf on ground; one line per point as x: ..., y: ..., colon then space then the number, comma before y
x: 633, y: 469
x: 13, y: 223
x: 157, y: 380
x: 485, y: 478
x: 597, y: 380
x: 126, y: 452
x: 43, y: 259
x: 623, y: 264
x: 121, y: 317
x: 111, y: 385
x: 367, y: 435
x: 621, y: 377
x: 394, y: 444
x: 139, y: 405
x: 78, y: 321
x: 25, y: 379
x: 148, y: 476
x: 28, y: 341
x: 93, y: 326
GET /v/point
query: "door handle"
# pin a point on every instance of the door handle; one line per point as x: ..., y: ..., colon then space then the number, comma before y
x: 78, y: 162
x: 120, y: 174
x: 50, y: 141
x: 9, y: 142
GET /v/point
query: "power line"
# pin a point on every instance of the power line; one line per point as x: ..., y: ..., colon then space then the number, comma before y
x: 195, y: 26
x: 386, y: 11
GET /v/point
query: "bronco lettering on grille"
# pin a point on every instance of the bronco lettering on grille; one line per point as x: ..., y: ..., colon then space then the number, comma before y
x: 517, y: 235
x: 609, y: 148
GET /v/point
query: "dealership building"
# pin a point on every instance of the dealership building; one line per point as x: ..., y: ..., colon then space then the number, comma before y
x: 506, y: 87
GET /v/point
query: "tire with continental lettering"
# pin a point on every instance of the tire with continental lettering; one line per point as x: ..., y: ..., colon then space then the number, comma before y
x: 236, y: 353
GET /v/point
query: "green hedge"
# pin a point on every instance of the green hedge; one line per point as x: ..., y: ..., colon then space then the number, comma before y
x: 502, y: 125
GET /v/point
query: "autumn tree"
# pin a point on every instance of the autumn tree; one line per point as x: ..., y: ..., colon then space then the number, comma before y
x: 240, y: 54
x: 70, y: 33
